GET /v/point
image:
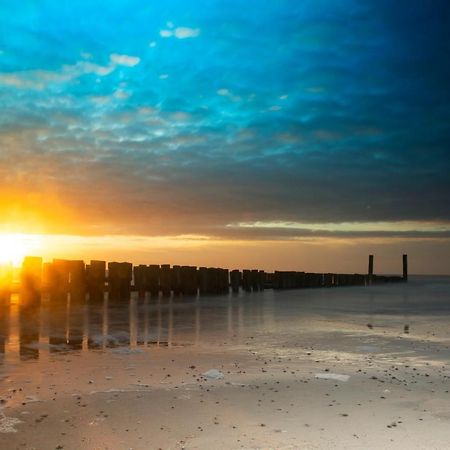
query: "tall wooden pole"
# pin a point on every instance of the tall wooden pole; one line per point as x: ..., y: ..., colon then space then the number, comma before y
x: 405, y: 267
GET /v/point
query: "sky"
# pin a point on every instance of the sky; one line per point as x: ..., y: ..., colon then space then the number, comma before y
x: 291, y: 134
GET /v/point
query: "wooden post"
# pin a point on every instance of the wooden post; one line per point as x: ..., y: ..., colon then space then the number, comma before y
x: 224, y: 281
x: 125, y: 274
x: 188, y: 280
x: 119, y: 280
x: 405, y: 267
x: 177, y: 279
x: 164, y: 279
x: 212, y: 280
x: 276, y: 280
x: 96, y: 278
x: 31, y: 280
x: 202, y: 280
x: 139, y: 275
x: 246, y: 280
x: 328, y: 279
x: 261, y: 280
x: 370, y: 272
x: 254, y: 280
x: 153, y: 279
x: 6, y: 279
x: 235, y: 278
x: 60, y: 280
x: 77, y: 274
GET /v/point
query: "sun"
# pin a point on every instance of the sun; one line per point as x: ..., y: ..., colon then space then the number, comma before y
x: 15, y: 246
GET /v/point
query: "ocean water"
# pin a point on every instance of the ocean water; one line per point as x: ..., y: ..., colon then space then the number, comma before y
x: 367, y: 319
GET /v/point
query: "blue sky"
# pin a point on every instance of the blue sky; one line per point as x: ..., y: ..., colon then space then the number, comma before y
x: 199, y: 117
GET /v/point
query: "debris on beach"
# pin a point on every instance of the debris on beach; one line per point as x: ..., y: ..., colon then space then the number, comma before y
x: 8, y: 424
x: 332, y: 376
x: 214, y: 374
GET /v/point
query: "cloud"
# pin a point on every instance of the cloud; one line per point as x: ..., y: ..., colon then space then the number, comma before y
x: 124, y: 60
x: 166, y: 33
x: 180, y: 33
x: 185, y: 32
x: 41, y: 79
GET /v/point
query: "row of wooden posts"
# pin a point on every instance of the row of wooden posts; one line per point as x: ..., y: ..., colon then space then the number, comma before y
x: 62, y: 277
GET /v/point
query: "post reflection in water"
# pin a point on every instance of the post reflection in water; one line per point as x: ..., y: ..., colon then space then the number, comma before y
x: 29, y: 324
x: 33, y: 327
x: 4, y: 327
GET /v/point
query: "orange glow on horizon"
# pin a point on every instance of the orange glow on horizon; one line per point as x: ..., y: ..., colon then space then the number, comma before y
x: 15, y: 246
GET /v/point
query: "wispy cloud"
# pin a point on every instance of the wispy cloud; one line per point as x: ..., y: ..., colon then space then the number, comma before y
x: 180, y: 33
x: 124, y: 60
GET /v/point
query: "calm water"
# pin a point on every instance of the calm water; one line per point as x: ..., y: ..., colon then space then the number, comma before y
x: 27, y: 335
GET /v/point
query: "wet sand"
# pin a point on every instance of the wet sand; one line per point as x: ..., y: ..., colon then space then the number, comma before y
x: 310, y: 369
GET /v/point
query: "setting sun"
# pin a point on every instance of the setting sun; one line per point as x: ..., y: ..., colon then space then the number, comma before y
x: 14, y: 247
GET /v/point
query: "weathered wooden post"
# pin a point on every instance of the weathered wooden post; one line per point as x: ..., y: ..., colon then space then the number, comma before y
x: 212, y: 280
x: 261, y: 280
x: 31, y: 280
x: 77, y: 274
x: 140, y: 282
x: 96, y: 278
x: 188, y: 280
x: 202, y: 280
x: 47, y: 273
x: 119, y: 280
x: 60, y: 280
x: 126, y: 275
x: 224, y: 281
x: 113, y: 280
x: 370, y: 272
x: 153, y: 279
x: 6, y: 280
x: 276, y: 280
x: 246, y: 280
x: 29, y: 327
x: 235, y: 279
x: 164, y: 279
x: 177, y: 279
x: 254, y: 280
x: 405, y: 267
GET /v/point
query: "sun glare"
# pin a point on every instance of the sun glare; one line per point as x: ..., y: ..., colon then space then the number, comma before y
x: 14, y: 247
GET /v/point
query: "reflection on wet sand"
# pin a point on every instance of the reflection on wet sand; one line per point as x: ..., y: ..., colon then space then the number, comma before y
x: 61, y: 323
x: 33, y: 328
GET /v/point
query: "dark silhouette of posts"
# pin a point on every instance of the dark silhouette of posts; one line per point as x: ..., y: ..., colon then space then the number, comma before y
x: 370, y: 271
x: 31, y: 280
x: 405, y: 267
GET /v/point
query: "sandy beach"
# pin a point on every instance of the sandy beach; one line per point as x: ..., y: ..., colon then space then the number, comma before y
x: 308, y: 369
